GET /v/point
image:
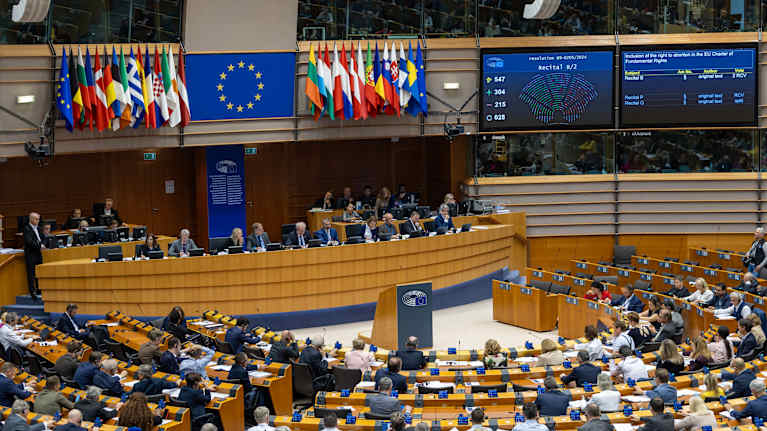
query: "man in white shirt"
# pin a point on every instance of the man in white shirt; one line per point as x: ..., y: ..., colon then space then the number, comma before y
x: 261, y: 415
x: 8, y: 335
x: 738, y: 309
x: 630, y: 367
x: 621, y: 336
x: 197, y: 361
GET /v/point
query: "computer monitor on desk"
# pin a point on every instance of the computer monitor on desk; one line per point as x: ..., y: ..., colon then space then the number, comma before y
x: 234, y: 249
x: 217, y: 244
x: 110, y: 235
x: 123, y: 233
x: 104, y: 220
x: 105, y: 251
x: 424, y: 211
x: 196, y: 252
x: 273, y: 246
x: 139, y: 233
x: 80, y: 238
x: 398, y: 214
x: 50, y: 241
x: 62, y: 239
x: 407, y: 209
x: 95, y: 234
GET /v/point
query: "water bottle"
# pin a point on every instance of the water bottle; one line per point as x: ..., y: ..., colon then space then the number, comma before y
x: 627, y: 410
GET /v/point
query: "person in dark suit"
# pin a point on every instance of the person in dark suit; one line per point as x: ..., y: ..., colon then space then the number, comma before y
x: 368, y: 199
x: 659, y: 421
x: 750, y: 284
x: 679, y: 290
x: 238, y: 335
x: 444, y: 220
x: 748, y: 340
x: 150, y: 244
x: 412, y: 225
x: 74, y: 422
x: 285, y: 350
x: 67, y: 364
x: 346, y: 199
x: 594, y: 421
x: 721, y: 298
x: 403, y: 197
x: 756, y: 408
x: 149, y: 385
x: 552, y: 402
x: 328, y: 235
x: 388, y: 227
x: 73, y: 221
x: 68, y: 325
x: 175, y: 322
x: 258, y: 239
x: 170, y: 358
x: 17, y: 420
x: 383, y: 403
x: 33, y: 254
x: 391, y: 371
x: 412, y: 359
x: 86, y: 370
x: 370, y: 229
x: 107, y: 378
x: 629, y: 301
x: 181, y: 246
x: 740, y: 379
x: 313, y: 357
x: 239, y: 371
x: 326, y: 202
x: 109, y: 211
x: 92, y: 408
x: 583, y: 373
x: 9, y: 390
x: 195, y: 394
x: 299, y: 237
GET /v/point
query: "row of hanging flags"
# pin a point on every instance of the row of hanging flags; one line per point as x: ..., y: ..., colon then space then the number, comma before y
x: 364, y: 87
x: 123, y: 93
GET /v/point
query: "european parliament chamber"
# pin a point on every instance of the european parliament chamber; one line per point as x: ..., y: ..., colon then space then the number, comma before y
x: 367, y: 215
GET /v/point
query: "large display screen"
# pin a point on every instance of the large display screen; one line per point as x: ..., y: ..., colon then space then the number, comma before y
x: 686, y: 86
x: 546, y: 89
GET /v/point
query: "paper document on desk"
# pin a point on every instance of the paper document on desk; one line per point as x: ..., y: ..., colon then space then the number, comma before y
x: 479, y: 227
x: 259, y: 374
x: 725, y: 317
x: 24, y: 331
x: 726, y: 414
x: 685, y: 392
x: 438, y: 385
x: 526, y: 359
x: 578, y: 404
x: 201, y: 322
x: 166, y: 421
x: 366, y: 385
x: 129, y: 383
x: 218, y: 395
x: 376, y: 364
x: 110, y: 324
x: 636, y: 398
x: 537, y: 381
x: 571, y: 354
x: 173, y: 393
x: 221, y: 367
x: 48, y: 343
x: 331, y: 360
x: 625, y: 427
x: 211, y: 363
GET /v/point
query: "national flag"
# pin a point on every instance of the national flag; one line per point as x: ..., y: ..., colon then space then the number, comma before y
x: 371, y: 98
x: 421, y: 82
x: 147, y: 87
x: 327, y: 79
x: 122, y: 91
x: 311, y: 90
x: 101, y: 98
x: 412, y: 81
x: 186, y: 110
x: 417, y: 84
x: 392, y: 96
x: 64, y: 93
x: 91, y: 87
x: 360, y: 63
x: 161, y: 99
x: 113, y: 105
x: 346, y: 86
x: 135, y: 77
x: 358, y: 99
x: 338, y: 90
x: 404, y: 93
x: 171, y: 90
x: 78, y: 113
x: 380, y: 91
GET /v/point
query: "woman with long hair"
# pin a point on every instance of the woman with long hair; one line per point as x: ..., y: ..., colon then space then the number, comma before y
x: 721, y: 349
x: 136, y: 413
x: 383, y: 200
x: 670, y: 359
x: 700, y: 354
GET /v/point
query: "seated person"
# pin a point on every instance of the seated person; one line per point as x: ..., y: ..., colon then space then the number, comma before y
x: 368, y: 199
x: 700, y: 356
x: 107, y: 378
x: 750, y: 284
x: 659, y: 421
x: 412, y: 359
x: 299, y: 237
x: 594, y: 346
x: 713, y: 390
x: 136, y: 413
x: 326, y: 202
x: 621, y: 337
x: 149, y: 353
x: 9, y: 337
x: 669, y: 357
x: 388, y: 226
x: 236, y: 239
x: 720, y: 299
x: 149, y: 385
x: 737, y: 309
x: 631, y: 367
x: 50, y: 401
x: 170, y: 358
x: 175, y: 323
x: 196, y: 395
x: 346, y: 199
x: 383, y: 403
x: 68, y: 325
x: 629, y: 301
x: 72, y: 222
x: 86, y: 370
x: 530, y: 412
x: 197, y: 361
x: 350, y: 214
x: 598, y: 292
x: 756, y: 408
x: 552, y: 402
x: 594, y: 421
x: 150, y: 244
x: 83, y: 226
x: 608, y: 398
x: 285, y: 350
x: 550, y: 354
x: 740, y: 379
x: 702, y: 294
x: 662, y: 389
x: 443, y: 219
x: 370, y: 229
x: 585, y: 372
x: 403, y: 197
x: 412, y: 225
x: 239, y: 371
x: 637, y: 331
x: 494, y: 357
x: 109, y: 212
x: 9, y: 390
x: 92, y: 408
x: 391, y: 371
x: 313, y: 356
x: 671, y: 326
x: 67, y: 364
x: 328, y: 234
x: 238, y: 335
x: 358, y: 358
x: 181, y: 246
x: 679, y: 290
x: 258, y: 239
x: 747, y: 344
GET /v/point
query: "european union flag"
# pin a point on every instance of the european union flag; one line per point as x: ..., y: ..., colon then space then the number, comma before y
x: 241, y: 86
x: 64, y: 94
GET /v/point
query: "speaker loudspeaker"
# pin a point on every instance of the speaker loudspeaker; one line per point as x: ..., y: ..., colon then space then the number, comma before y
x: 541, y: 9
x: 30, y: 10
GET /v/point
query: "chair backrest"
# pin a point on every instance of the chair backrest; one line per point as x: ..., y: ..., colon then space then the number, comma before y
x: 137, y: 249
x: 302, y: 380
x: 642, y: 285
x: 375, y: 416
x: 223, y: 347
x: 485, y: 388
x: 346, y: 378
x: 543, y: 285
x: 353, y: 230
x: 584, y: 275
x: 622, y: 254
x: 429, y: 226
x: 428, y: 390
x: 558, y: 288
x: 286, y: 229
x: 341, y: 413
x: 15, y: 356
x: 117, y: 350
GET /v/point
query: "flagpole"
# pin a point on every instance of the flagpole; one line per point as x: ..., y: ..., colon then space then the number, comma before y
x: 181, y: 128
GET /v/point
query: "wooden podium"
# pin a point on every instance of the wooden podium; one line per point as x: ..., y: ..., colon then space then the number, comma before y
x: 402, y: 311
x: 524, y: 306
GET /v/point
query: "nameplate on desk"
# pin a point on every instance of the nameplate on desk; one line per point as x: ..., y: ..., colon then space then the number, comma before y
x: 558, y: 277
x: 537, y: 274
x: 602, y: 269
x: 607, y: 309
x: 642, y: 261
x: 645, y: 277
x: 526, y: 291
x: 623, y: 273
x: 664, y: 265
x: 646, y: 295
x: 580, y: 265
x: 579, y: 281
x: 758, y: 300
x: 504, y: 286
x: 700, y: 311
x: 593, y: 305
x: 724, y: 256
x: 686, y: 268
x: 733, y: 276
x: 686, y: 306
x: 710, y: 272
x: 571, y: 300
x: 701, y: 252
x: 668, y: 280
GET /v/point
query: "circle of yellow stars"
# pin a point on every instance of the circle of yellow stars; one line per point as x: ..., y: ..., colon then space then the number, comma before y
x: 223, y: 98
x: 58, y: 92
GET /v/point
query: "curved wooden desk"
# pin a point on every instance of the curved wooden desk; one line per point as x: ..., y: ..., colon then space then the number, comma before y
x: 91, y: 251
x: 281, y: 281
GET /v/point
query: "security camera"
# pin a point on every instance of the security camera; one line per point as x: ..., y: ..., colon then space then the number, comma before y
x: 453, y: 130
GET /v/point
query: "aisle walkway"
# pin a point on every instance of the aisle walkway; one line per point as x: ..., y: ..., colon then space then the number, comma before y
x: 468, y: 325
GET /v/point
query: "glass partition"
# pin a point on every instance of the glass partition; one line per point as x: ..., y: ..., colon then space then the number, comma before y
x: 690, y: 16
x: 574, y: 17
x: 22, y: 33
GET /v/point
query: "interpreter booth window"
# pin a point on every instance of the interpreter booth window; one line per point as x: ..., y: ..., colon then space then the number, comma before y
x: 687, y: 16
x: 449, y: 18
x: 687, y: 151
x: 503, y: 18
x: 545, y: 154
x: 19, y: 32
x: 375, y: 18
x: 322, y: 19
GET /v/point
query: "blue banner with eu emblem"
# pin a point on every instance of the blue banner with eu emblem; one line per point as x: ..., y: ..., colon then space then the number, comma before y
x: 241, y: 86
x: 226, y: 189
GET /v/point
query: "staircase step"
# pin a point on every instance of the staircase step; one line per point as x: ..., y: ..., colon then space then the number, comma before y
x: 27, y: 300
x: 26, y: 309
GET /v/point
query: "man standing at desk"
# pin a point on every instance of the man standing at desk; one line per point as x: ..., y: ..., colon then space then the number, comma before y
x: 33, y: 255
x: 258, y: 239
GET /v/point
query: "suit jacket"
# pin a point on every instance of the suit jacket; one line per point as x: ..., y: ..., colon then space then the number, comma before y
x: 634, y: 304
x: 553, y: 403
x: 411, y: 359
x: 663, y: 422
x: 32, y: 252
x: 399, y: 382
x: 84, y: 374
x: 597, y: 425
x: 92, y: 409
x: 322, y: 234
x: 18, y: 423
x: 236, y: 337
x: 49, y: 402
x: 66, y: 366
x: 283, y: 353
x: 747, y: 345
x: 440, y: 222
x: 114, y: 214
x: 148, y: 353
x: 9, y: 391
x: 390, y: 229
x: 65, y: 325
x: 314, y: 359
x: 293, y: 238
x: 237, y: 372
x: 153, y: 386
x: 583, y: 373
x: 342, y: 202
x: 663, y: 391
x: 381, y: 404
x: 719, y: 301
x: 754, y: 408
x: 740, y: 383
x: 168, y: 363
x: 110, y: 384
x: 407, y: 228
x: 253, y: 243
x: 176, y: 247
x: 197, y: 400
x: 69, y: 427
